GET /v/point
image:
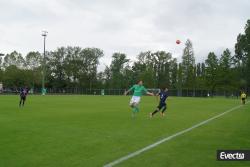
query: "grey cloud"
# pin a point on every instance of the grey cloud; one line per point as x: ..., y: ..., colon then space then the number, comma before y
x: 126, y: 26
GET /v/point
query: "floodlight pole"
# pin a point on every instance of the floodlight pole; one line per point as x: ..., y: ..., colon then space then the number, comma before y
x: 44, y: 34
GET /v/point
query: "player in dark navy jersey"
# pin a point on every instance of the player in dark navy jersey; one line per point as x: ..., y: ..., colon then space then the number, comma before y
x: 162, y: 104
x: 23, y: 94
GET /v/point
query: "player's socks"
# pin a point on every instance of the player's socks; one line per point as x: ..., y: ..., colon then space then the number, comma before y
x: 162, y: 112
x: 133, y: 112
x: 155, y: 112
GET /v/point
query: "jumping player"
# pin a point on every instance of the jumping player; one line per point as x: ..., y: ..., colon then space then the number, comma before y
x: 243, y: 97
x: 139, y: 90
x: 163, y: 94
x: 23, y: 94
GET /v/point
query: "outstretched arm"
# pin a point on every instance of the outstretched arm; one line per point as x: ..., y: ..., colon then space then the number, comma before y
x: 149, y: 93
x: 126, y: 92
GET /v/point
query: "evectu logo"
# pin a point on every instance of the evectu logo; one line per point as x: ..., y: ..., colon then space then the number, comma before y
x: 233, y: 155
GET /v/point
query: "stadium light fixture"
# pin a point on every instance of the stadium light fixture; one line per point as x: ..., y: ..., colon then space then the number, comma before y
x: 44, y: 34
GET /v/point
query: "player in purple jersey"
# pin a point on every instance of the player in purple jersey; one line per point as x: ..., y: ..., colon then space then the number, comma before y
x: 23, y: 94
x: 163, y: 94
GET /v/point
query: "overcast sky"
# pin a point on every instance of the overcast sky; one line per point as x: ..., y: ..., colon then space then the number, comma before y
x: 128, y: 26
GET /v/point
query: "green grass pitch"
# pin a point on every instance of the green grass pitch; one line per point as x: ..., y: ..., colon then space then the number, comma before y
x: 82, y: 131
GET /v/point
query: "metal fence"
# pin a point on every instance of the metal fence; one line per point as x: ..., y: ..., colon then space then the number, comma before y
x: 84, y: 91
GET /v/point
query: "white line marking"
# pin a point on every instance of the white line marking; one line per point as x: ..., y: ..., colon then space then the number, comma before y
x: 168, y: 138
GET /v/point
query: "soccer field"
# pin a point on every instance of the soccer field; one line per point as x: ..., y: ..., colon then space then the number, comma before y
x: 82, y: 131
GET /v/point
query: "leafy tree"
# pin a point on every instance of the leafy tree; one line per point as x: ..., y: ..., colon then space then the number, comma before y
x: 33, y: 60
x: 1, y: 70
x: 56, y: 72
x: 180, y: 79
x: 188, y: 65
x: 77, y: 67
x: 107, y: 77
x: 161, y: 63
x: 174, y: 74
x: 224, y: 73
x: 242, y: 56
x: 1, y: 62
x: 211, y: 71
x: 14, y: 59
x: 119, y: 61
x: 15, y: 77
x: 33, y: 65
x: 72, y: 63
x: 143, y: 69
x: 200, y: 76
x: 89, y: 60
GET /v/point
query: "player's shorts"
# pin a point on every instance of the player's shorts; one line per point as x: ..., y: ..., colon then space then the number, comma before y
x: 135, y: 99
x: 243, y: 99
x: 23, y: 97
x: 161, y: 105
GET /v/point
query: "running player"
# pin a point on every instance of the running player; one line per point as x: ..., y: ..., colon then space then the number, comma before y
x: 139, y: 90
x: 163, y: 94
x: 23, y: 94
x: 243, y: 97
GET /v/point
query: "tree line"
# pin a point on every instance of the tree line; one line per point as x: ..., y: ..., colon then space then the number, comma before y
x: 76, y: 67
